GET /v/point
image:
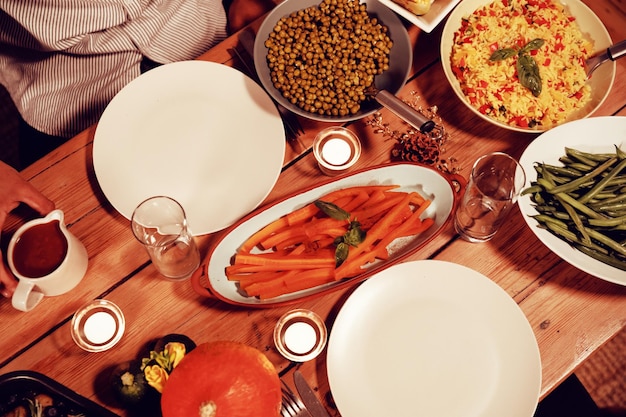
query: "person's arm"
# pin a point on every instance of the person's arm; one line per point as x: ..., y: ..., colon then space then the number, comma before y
x: 243, y: 12
x: 13, y: 191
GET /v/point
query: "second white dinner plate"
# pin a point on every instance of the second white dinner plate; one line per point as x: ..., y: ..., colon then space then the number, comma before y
x: 202, y: 133
x: 433, y: 338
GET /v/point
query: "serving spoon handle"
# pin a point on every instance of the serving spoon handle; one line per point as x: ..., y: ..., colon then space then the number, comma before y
x: 611, y: 53
x: 404, y: 111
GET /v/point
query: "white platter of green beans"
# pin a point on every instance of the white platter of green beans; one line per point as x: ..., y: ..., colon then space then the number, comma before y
x: 575, y: 196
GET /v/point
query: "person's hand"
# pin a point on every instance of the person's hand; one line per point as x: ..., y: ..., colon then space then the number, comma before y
x: 243, y: 12
x: 13, y: 191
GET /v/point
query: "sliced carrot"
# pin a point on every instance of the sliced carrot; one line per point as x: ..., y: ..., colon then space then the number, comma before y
x: 274, y: 286
x: 392, y: 199
x: 342, y: 202
x: 287, y: 233
x: 309, y: 278
x: 406, y: 228
x: 262, y: 234
x: 373, y: 235
x: 321, y: 258
x: 248, y: 278
x: 421, y: 227
x: 334, y: 195
x: 299, y: 249
x: 299, y: 281
x: 422, y: 207
x: 318, y: 229
x: 302, y: 214
x: 357, y: 201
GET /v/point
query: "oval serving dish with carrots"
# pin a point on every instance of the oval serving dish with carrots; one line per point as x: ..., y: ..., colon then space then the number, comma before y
x: 328, y: 236
x: 327, y: 240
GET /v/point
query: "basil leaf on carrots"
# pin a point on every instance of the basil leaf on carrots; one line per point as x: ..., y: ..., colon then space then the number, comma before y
x: 332, y: 210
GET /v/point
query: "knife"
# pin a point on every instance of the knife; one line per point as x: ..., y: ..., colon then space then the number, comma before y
x: 312, y: 404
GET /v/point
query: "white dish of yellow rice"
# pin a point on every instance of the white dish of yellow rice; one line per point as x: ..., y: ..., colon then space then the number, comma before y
x: 490, y: 86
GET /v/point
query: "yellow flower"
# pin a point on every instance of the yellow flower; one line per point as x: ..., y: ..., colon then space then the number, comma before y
x: 175, y: 351
x: 156, y: 377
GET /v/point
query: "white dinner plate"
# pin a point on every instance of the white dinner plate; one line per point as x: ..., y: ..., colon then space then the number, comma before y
x: 595, y: 134
x: 433, y: 338
x: 200, y: 132
x: 439, y: 9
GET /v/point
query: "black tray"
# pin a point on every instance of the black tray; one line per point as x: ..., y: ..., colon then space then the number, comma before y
x: 15, y: 387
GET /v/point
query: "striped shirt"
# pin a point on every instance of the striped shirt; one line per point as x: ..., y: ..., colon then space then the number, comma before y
x: 62, y: 61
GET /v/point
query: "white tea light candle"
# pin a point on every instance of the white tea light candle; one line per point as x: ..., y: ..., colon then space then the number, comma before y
x: 99, y: 327
x: 336, y: 149
x: 300, y: 337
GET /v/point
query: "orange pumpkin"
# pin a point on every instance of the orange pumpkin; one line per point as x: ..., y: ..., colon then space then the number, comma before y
x: 222, y: 379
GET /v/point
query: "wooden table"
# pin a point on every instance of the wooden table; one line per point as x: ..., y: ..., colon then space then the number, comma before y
x: 572, y: 313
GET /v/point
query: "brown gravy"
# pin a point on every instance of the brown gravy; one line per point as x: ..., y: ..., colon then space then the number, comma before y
x: 40, y: 250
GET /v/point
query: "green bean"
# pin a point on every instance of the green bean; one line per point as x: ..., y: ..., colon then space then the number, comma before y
x: 618, y: 206
x: 572, y: 238
x: 604, y: 258
x: 577, y: 165
x: 604, y: 181
x: 562, y: 231
x: 615, y: 221
x: 582, y: 167
x: 578, y: 223
x: 605, y: 240
x: 569, y: 200
x: 615, y: 213
x: 572, y: 185
x: 563, y: 171
x: 609, y: 196
x: 592, y: 158
x: 531, y: 190
x: 582, y: 158
x: 544, y: 218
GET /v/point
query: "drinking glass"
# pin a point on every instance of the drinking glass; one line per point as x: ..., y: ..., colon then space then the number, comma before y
x: 160, y: 224
x: 494, y: 184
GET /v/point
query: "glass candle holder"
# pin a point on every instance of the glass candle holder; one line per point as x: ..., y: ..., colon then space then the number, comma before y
x: 98, y: 326
x: 300, y: 335
x: 336, y: 150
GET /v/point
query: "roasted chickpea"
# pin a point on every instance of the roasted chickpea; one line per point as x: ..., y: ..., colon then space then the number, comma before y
x: 323, y: 58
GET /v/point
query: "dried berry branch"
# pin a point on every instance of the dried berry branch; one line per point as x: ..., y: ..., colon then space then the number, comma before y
x: 413, y: 145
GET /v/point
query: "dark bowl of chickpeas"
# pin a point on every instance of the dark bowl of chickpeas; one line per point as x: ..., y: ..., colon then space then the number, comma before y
x: 325, y: 59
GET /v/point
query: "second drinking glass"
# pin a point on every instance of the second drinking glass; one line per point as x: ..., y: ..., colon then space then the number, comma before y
x: 160, y: 224
x: 493, y: 187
